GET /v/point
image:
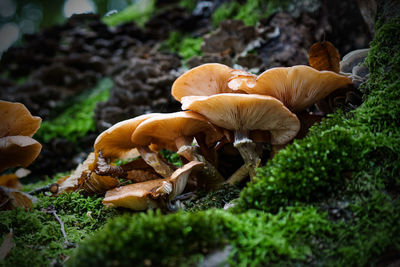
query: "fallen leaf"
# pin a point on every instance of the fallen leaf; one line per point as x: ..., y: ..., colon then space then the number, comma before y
x: 324, y: 56
x: 7, y: 245
x: 12, y: 198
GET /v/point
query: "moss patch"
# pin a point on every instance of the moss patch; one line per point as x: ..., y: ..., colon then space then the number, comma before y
x: 37, y: 235
x: 250, y: 12
x: 185, y: 46
x: 138, y: 12
x: 183, y: 239
x: 77, y: 120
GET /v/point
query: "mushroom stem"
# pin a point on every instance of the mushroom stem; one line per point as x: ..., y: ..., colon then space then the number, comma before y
x: 248, y: 151
x: 156, y: 161
x: 185, y: 148
x: 189, y: 152
x: 239, y: 175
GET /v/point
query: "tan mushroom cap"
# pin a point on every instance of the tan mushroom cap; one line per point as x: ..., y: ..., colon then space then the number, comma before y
x: 115, y: 142
x: 247, y: 112
x: 164, y: 129
x: 17, y: 120
x: 298, y: 87
x: 141, y: 196
x: 206, y: 79
x: 18, y: 151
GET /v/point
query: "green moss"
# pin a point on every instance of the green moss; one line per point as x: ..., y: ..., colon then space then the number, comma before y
x: 185, y: 46
x: 188, y: 4
x: 372, y: 230
x: 214, y: 199
x: 183, y: 238
x: 138, y: 12
x: 172, y: 157
x: 250, y: 12
x: 37, y: 235
x: 171, y: 240
x: 77, y: 120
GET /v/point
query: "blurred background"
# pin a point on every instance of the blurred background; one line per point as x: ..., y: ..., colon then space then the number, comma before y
x: 27, y: 17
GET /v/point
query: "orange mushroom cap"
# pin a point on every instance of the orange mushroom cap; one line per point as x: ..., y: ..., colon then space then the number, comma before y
x: 17, y: 120
x: 247, y: 112
x: 18, y: 151
x: 207, y: 79
x: 115, y: 142
x: 164, y: 129
x: 298, y: 87
x: 141, y: 196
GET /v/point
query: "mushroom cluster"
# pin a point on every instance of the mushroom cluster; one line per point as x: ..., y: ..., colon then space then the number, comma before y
x: 221, y: 107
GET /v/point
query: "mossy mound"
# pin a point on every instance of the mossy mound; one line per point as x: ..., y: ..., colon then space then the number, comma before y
x: 183, y: 239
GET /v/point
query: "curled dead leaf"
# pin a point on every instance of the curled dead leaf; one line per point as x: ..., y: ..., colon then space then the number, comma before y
x: 12, y: 198
x: 84, y: 177
x: 324, y: 56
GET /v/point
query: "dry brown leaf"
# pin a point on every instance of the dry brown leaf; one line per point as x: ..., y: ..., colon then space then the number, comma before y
x: 7, y: 245
x: 324, y: 56
x: 84, y: 177
x: 12, y: 198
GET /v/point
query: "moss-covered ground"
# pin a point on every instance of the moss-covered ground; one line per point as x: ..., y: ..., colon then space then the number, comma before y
x: 330, y: 199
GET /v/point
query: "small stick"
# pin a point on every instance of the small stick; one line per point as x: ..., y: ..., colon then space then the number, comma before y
x: 53, y: 188
x: 51, y: 210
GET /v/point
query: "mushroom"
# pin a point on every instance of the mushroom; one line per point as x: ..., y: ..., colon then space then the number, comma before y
x: 18, y: 151
x: 175, y: 131
x: 243, y: 113
x: 298, y: 87
x: 116, y: 142
x: 17, y: 120
x: 204, y: 80
x: 149, y: 194
x: 17, y: 148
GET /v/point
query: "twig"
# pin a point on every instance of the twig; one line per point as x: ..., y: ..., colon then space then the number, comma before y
x: 51, y: 210
x: 53, y: 188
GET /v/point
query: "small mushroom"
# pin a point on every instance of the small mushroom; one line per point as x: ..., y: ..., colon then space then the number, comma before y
x: 17, y: 148
x: 204, y: 80
x: 243, y: 113
x: 116, y: 142
x: 18, y: 151
x: 17, y: 120
x: 175, y: 131
x: 150, y: 194
x: 298, y: 87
